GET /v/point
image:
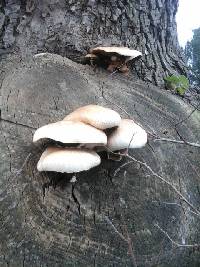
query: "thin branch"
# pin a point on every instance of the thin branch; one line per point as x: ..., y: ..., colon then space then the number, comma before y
x: 127, y: 113
x: 106, y: 98
x: 120, y: 167
x: 130, y: 143
x: 114, y: 228
x: 127, y: 240
x: 174, y: 242
x: 130, y: 248
x: 23, y: 165
x: 174, y: 204
x: 157, y: 138
x: 176, y: 141
x: 163, y: 180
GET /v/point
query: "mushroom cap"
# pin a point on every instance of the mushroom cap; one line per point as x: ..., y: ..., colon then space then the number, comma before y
x: 97, y: 116
x: 122, y: 51
x: 67, y: 160
x: 71, y: 132
x: 127, y: 135
x: 90, y: 56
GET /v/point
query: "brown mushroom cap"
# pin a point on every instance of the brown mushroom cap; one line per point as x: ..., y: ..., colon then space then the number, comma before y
x: 114, y: 50
x: 97, y: 116
x: 127, y: 135
x: 71, y: 132
x: 67, y: 160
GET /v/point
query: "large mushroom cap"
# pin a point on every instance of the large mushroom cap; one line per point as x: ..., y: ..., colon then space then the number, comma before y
x: 97, y: 116
x: 127, y: 135
x: 122, y: 51
x: 67, y: 160
x: 71, y: 132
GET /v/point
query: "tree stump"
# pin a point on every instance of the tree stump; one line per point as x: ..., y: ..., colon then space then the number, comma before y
x: 110, y: 216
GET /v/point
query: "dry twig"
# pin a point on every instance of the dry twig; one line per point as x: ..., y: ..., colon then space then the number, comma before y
x: 163, y: 180
x: 122, y: 166
x: 176, y: 141
x: 154, y: 135
x: 127, y: 240
x: 174, y: 204
x: 174, y: 242
x: 106, y: 98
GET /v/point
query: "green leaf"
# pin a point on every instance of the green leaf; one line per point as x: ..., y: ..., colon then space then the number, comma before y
x: 180, y: 91
x: 178, y: 84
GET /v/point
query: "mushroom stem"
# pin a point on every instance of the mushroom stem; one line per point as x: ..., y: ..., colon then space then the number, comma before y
x: 73, y: 179
x: 118, y: 66
x: 114, y: 156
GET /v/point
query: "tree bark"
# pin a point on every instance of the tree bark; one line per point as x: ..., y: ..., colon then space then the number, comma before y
x: 118, y: 214
x: 109, y: 217
x: 70, y: 28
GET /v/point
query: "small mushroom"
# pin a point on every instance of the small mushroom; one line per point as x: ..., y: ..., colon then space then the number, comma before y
x: 116, y: 57
x: 91, y: 58
x: 67, y: 160
x: 116, y: 51
x: 127, y: 135
x: 118, y: 65
x: 97, y: 116
x: 70, y: 132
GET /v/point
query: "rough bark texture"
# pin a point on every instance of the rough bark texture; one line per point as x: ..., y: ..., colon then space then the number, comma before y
x: 70, y: 28
x: 59, y: 224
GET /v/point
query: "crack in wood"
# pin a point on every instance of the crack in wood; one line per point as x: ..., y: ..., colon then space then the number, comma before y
x: 76, y: 199
x: 18, y: 124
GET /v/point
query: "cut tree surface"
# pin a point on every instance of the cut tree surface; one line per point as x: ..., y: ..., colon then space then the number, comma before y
x: 48, y: 221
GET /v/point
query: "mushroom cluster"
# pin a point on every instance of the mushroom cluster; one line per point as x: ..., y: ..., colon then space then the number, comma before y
x: 83, y: 133
x: 112, y: 58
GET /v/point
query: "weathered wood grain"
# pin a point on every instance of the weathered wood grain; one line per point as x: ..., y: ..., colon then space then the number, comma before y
x: 46, y: 221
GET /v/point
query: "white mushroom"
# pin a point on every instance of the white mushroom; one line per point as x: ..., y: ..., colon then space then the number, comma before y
x: 67, y: 160
x: 71, y: 132
x: 114, y: 50
x: 127, y: 135
x: 97, y: 116
x: 115, y: 58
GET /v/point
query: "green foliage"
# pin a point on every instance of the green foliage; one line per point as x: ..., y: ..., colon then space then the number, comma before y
x: 178, y: 84
x: 192, y: 53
